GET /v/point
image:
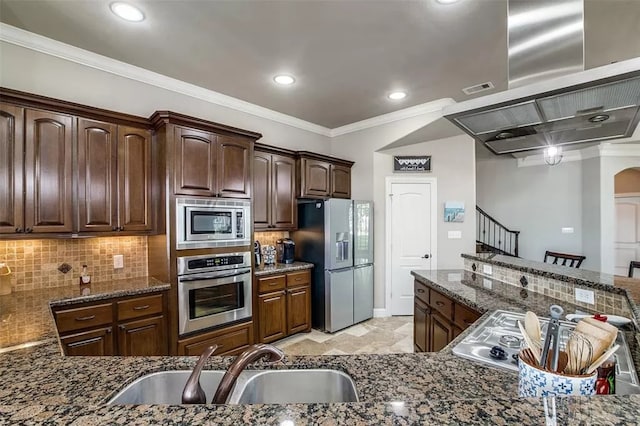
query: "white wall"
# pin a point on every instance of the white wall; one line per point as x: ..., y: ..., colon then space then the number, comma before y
x: 591, y: 222
x: 537, y: 200
x: 34, y: 72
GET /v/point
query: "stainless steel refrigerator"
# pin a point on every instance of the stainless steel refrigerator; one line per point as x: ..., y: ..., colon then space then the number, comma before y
x: 336, y: 235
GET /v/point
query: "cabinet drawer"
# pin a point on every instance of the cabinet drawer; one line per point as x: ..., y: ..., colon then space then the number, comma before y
x: 463, y: 317
x: 85, y: 317
x: 139, y: 307
x: 441, y: 303
x: 295, y: 279
x: 230, y: 341
x: 421, y: 291
x: 269, y: 284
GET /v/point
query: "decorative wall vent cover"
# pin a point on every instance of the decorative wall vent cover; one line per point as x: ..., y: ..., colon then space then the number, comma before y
x: 472, y: 90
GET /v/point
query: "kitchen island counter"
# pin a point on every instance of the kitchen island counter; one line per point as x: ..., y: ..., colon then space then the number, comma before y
x: 40, y: 386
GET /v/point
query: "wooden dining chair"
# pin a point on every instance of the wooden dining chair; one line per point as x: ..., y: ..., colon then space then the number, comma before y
x: 574, y: 260
x: 634, y: 264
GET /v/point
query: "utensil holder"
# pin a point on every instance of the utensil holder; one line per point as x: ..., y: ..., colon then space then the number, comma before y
x: 535, y: 382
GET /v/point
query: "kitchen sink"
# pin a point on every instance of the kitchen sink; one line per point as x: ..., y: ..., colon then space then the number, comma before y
x: 165, y: 387
x: 252, y: 387
x: 296, y: 386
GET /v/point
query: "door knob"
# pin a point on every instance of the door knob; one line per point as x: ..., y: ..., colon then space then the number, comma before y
x: 426, y: 256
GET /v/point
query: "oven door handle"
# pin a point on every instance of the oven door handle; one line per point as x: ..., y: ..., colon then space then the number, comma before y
x: 200, y: 277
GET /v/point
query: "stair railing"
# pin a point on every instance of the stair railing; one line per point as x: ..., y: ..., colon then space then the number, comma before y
x: 494, y: 236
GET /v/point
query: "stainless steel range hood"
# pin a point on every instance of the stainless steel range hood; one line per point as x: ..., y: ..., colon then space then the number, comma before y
x: 546, y: 38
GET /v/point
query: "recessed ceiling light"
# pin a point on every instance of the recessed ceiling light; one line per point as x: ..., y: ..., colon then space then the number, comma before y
x: 395, y: 96
x: 284, y: 79
x: 127, y: 12
x: 447, y: 1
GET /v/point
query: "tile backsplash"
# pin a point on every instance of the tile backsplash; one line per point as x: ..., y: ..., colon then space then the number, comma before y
x: 270, y: 238
x: 34, y: 263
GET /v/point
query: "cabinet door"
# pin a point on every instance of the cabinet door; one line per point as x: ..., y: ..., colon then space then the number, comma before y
x: 298, y: 309
x: 97, y: 342
x: 144, y: 337
x: 340, y: 181
x: 420, y: 326
x: 134, y: 179
x: 272, y: 316
x: 261, y: 190
x: 230, y: 340
x: 441, y: 332
x: 11, y: 173
x: 97, y: 175
x: 284, y: 210
x: 48, y: 179
x: 195, y: 167
x: 316, y: 176
x: 234, y: 167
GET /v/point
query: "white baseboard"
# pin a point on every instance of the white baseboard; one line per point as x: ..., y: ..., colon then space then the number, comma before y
x: 380, y: 312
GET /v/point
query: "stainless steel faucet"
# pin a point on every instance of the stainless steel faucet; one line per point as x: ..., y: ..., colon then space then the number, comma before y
x: 251, y: 354
x: 193, y: 392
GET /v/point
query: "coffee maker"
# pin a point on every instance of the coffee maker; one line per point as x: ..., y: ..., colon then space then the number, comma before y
x: 285, y: 249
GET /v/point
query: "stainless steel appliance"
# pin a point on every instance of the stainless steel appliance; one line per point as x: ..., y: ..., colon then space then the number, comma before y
x: 501, y: 329
x: 286, y: 250
x: 213, y: 290
x: 337, y: 237
x: 212, y: 222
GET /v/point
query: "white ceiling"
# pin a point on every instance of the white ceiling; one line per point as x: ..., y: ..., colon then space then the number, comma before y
x: 346, y: 55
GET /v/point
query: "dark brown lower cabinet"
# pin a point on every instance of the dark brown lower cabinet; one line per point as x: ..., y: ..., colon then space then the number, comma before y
x: 144, y: 337
x: 284, y: 305
x: 298, y: 309
x: 437, y: 319
x: 98, y: 342
x: 140, y: 323
x: 230, y: 340
x: 272, y: 308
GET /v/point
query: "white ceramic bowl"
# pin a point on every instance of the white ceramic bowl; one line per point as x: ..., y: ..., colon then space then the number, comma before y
x: 535, y: 382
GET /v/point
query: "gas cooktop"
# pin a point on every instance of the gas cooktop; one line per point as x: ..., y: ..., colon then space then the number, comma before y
x: 501, y: 330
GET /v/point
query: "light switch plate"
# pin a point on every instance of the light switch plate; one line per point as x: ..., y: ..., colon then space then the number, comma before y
x: 118, y: 261
x: 454, y: 235
x: 585, y: 296
x: 487, y: 269
x: 487, y: 283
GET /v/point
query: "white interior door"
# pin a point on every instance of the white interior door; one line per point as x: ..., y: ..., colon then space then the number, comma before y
x: 411, y: 233
x: 627, y: 243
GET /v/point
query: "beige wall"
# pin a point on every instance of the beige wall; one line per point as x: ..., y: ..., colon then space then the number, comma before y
x: 34, y: 72
x: 627, y: 181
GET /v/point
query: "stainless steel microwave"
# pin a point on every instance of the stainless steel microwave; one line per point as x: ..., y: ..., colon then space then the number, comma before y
x: 212, y: 222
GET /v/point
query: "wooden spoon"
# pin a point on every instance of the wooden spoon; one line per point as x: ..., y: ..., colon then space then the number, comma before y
x: 535, y: 350
x: 598, y: 362
x: 532, y: 325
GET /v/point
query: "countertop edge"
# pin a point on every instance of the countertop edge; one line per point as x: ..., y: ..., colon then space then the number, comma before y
x: 282, y: 268
x: 108, y: 295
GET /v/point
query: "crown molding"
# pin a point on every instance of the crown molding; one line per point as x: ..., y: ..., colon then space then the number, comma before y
x: 32, y: 41
x: 403, y: 114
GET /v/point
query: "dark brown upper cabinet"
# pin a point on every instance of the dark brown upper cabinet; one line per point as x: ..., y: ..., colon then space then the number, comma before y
x: 324, y: 177
x: 209, y: 159
x: 48, y: 204
x: 274, y: 188
x: 114, y: 172
x: 11, y: 166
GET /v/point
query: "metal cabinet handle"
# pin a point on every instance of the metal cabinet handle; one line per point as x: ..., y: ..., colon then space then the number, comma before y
x: 426, y: 256
x: 140, y: 308
x: 87, y: 318
x: 439, y: 303
x: 121, y: 228
x: 114, y: 228
x: 18, y: 229
x: 420, y: 290
x: 28, y: 230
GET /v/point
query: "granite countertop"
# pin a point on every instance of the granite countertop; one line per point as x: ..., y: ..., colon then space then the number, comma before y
x: 281, y: 268
x: 25, y: 316
x: 39, y: 385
